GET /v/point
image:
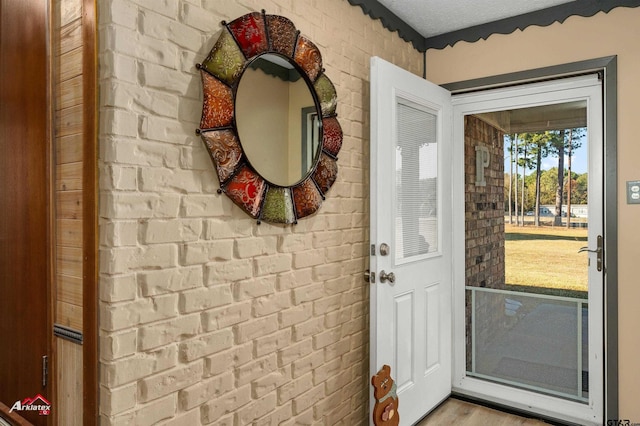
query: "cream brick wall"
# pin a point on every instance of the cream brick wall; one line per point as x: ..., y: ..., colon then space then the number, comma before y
x: 205, y: 316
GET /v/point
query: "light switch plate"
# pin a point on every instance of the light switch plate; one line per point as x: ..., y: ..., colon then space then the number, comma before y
x: 633, y: 192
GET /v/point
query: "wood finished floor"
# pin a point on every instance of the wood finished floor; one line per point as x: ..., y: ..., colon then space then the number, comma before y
x: 461, y: 413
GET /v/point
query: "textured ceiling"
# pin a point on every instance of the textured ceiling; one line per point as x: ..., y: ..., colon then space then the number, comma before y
x: 435, y: 17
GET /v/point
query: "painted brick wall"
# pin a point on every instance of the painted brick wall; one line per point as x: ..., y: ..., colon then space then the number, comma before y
x: 206, y: 317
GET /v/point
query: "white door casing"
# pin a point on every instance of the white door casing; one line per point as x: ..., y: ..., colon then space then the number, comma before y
x: 411, y: 156
x: 558, y: 91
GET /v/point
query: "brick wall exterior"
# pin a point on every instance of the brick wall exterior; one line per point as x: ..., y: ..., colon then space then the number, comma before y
x: 206, y: 317
x: 484, y: 220
x: 484, y: 207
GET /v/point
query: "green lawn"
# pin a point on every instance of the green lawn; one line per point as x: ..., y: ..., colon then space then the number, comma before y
x: 546, y: 259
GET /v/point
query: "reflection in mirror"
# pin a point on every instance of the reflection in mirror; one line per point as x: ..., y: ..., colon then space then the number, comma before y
x: 277, y: 120
x: 310, y: 138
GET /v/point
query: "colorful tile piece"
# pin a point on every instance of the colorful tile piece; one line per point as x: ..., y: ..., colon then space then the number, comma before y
x: 331, y: 135
x: 282, y: 33
x: 326, y: 92
x: 246, y: 189
x: 217, y: 106
x: 308, y: 57
x: 326, y: 173
x: 249, y: 31
x: 225, y: 60
x: 278, y: 206
x: 307, y: 198
x: 225, y: 151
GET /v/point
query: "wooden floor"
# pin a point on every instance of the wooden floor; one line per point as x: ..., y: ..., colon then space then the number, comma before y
x: 461, y: 413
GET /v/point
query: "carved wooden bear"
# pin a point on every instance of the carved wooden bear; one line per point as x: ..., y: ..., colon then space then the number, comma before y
x: 385, y: 410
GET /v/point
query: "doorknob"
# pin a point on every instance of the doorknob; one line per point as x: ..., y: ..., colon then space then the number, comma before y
x: 384, y: 277
x: 599, y: 249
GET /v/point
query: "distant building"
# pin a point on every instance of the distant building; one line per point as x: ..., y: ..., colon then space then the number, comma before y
x: 577, y: 210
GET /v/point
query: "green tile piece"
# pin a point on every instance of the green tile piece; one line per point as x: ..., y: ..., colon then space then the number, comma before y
x: 327, y: 95
x: 225, y: 60
x: 278, y: 206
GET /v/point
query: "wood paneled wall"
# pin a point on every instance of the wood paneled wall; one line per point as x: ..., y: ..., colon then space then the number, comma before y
x: 69, y: 156
x: 68, y: 40
x: 69, y: 379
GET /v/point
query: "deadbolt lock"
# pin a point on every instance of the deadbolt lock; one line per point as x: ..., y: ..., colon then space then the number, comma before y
x: 369, y: 276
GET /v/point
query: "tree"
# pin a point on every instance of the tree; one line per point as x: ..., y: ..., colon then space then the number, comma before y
x: 515, y: 142
x: 525, y: 159
x: 567, y: 142
x: 569, y: 179
x: 511, y: 197
x: 557, y: 148
x: 539, y: 147
x: 548, y: 182
x: 580, y: 189
x: 573, y: 143
x: 511, y: 141
x: 530, y: 201
x: 525, y: 164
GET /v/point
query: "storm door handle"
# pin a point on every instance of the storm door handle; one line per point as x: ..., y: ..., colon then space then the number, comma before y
x: 599, y: 252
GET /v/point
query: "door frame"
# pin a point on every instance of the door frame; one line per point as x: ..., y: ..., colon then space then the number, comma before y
x: 90, y: 352
x: 607, y: 68
x: 587, y: 89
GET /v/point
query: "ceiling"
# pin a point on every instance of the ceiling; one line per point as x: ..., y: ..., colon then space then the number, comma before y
x: 436, y: 24
x: 568, y: 115
x: 434, y: 17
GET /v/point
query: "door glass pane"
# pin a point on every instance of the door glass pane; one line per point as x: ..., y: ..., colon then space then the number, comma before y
x: 416, y: 213
x: 526, y: 216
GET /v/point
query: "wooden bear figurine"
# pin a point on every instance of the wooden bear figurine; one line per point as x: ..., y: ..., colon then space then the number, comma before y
x: 385, y: 410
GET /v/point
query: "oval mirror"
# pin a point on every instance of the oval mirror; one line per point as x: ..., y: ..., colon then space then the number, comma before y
x: 277, y: 120
x: 269, y: 118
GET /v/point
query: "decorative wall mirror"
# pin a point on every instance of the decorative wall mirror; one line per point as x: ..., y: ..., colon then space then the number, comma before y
x: 269, y: 118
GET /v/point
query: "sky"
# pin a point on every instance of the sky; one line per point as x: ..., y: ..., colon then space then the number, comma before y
x: 578, y: 160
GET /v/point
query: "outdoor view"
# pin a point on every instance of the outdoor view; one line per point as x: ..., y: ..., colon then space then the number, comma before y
x: 529, y: 328
x: 546, y: 218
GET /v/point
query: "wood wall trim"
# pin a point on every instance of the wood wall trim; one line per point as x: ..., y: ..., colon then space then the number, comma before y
x: 52, y: 243
x: 90, y: 222
x: 12, y: 418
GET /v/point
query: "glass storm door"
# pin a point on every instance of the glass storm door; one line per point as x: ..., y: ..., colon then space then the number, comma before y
x: 410, y: 237
x: 529, y: 335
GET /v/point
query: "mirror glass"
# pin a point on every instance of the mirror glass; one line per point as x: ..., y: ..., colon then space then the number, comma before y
x: 277, y: 120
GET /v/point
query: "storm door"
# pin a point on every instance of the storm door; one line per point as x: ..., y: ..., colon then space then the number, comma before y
x: 528, y: 228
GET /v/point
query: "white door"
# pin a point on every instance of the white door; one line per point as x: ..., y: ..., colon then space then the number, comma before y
x: 539, y: 384
x: 411, y: 215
